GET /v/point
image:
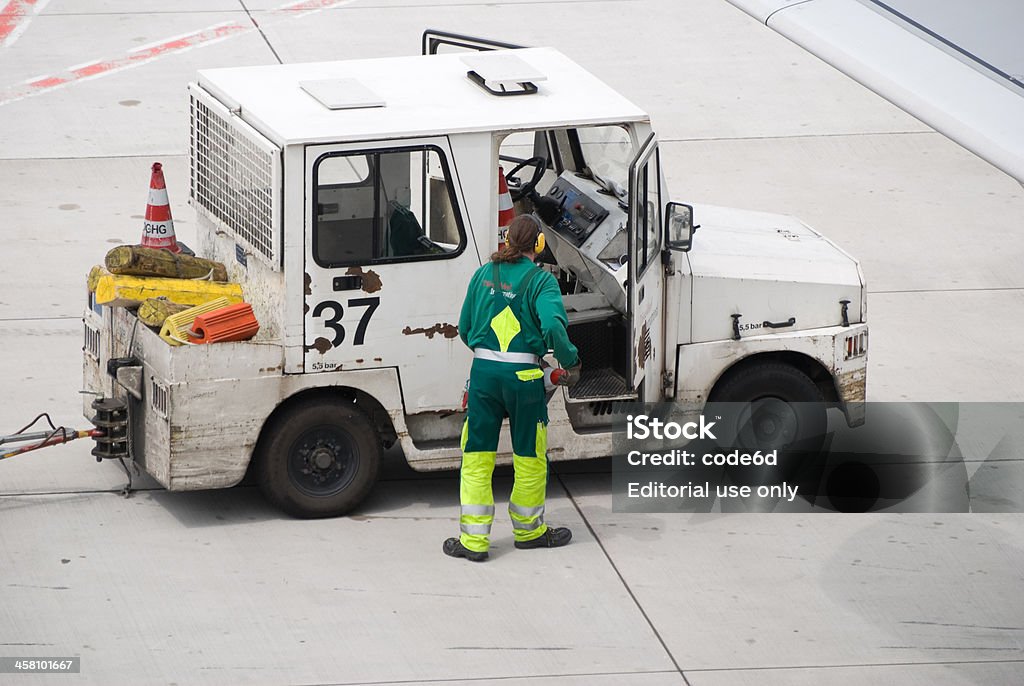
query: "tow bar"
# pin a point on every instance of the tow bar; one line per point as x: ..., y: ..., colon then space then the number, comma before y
x: 110, y: 434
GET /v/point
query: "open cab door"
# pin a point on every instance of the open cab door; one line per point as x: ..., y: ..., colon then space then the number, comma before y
x: 645, y: 286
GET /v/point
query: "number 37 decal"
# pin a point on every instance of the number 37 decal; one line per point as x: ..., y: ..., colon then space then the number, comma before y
x: 332, y: 312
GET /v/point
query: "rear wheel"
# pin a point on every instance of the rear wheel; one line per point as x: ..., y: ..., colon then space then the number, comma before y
x: 318, y: 458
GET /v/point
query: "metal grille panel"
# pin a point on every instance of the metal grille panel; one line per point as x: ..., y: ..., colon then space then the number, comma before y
x: 235, y: 176
x: 158, y: 398
x: 599, y: 383
x: 92, y: 341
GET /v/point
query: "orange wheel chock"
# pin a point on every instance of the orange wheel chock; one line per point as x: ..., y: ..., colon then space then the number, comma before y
x: 231, y: 323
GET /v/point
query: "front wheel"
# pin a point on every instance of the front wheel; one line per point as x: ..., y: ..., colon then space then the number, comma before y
x: 773, y: 407
x: 318, y: 458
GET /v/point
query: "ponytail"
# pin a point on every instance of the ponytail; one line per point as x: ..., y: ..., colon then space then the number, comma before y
x: 522, y: 236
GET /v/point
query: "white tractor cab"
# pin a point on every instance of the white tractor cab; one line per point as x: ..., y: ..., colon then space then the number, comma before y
x: 354, y: 200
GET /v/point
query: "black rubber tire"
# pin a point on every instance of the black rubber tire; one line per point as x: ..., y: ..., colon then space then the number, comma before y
x: 776, y: 381
x: 330, y: 431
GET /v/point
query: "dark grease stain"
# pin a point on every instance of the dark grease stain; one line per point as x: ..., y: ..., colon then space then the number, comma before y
x: 370, y: 282
x: 446, y: 330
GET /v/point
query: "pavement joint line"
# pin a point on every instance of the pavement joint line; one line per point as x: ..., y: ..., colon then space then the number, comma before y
x: 68, y: 317
x: 65, y: 158
x: 259, y: 28
x: 487, y: 679
x: 949, y: 290
x: 622, y: 579
x: 97, y: 491
x: 926, y: 663
x: 790, y: 136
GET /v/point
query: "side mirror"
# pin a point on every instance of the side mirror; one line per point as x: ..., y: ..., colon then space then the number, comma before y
x: 679, y: 226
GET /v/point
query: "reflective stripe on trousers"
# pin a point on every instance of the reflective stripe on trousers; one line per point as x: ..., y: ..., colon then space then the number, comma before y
x: 526, y: 504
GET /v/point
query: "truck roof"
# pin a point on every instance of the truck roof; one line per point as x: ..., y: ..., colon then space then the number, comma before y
x: 422, y: 95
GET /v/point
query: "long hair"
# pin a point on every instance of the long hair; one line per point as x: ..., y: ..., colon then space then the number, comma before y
x: 522, y: 235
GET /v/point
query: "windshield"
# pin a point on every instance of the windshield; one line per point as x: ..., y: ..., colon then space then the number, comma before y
x: 607, y: 151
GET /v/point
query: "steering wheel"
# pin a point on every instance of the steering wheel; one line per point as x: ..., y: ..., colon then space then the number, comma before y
x: 516, y: 188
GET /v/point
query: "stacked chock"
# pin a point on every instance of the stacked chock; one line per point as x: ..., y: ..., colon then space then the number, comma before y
x: 168, y: 286
x: 176, y: 329
x: 232, y: 323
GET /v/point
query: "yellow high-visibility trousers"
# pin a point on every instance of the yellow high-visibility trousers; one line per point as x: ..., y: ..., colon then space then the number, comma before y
x: 496, y: 390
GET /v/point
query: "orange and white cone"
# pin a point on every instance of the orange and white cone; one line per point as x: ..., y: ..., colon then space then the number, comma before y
x: 506, y: 212
x: 158, y: 229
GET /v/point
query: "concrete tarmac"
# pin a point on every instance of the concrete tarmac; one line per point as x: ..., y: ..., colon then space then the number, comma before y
x: 220, y: 588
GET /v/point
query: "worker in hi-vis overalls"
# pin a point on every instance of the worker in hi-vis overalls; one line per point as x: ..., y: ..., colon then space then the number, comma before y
x: 512, y: 315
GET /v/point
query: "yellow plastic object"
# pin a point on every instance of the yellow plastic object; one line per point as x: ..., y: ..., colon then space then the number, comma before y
x: 176, y: 327
x: 118, y: 290
x: 529, y: 374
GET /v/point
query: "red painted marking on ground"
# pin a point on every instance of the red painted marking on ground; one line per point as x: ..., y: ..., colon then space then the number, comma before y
x: 48, y: 82
x: 149, y: 53
x: 308, y: 5
x: 16, y: 8
x: 131, y: 59
x: 13, y: 13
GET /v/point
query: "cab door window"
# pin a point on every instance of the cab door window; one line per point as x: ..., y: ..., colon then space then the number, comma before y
x: 646, y: 235
x: 392, y: 205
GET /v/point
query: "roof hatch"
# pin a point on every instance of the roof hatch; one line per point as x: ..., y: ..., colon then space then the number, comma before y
x: 502, y: 73
x: 342, y: 94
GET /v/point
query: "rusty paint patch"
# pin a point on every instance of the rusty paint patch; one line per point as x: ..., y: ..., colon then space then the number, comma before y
x: 305, y: 308
x: 643, y: 348
x: 321, y: 345
x: 359, y: 361
x: 852, y: 386
x: 371, y: 282
x: 378, y: 359
x: 446, y: 330
x: 307, y: 287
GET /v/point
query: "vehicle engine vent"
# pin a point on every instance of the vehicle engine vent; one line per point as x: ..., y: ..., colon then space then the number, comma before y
x: 235, y: 176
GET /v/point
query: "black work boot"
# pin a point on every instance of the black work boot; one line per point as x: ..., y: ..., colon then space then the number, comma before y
x: 552, y: 538
x: 454, y: 548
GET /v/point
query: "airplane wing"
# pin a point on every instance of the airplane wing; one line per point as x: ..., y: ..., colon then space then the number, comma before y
x: 956, y: 65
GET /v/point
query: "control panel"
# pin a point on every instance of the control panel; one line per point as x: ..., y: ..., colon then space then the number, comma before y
x: 580, y: 214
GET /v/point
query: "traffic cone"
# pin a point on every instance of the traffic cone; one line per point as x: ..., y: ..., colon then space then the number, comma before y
x: 506, y: 212
x: 158, y: 229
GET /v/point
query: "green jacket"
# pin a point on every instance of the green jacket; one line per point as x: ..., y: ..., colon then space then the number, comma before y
x: 542, y: 316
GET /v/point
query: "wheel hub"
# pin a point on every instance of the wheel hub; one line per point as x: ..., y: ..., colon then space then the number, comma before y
x: 322, y: 461
x: 322, y: 458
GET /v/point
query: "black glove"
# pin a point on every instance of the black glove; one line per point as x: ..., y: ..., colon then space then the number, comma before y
x: 548, y: 209
x: 572, y: 375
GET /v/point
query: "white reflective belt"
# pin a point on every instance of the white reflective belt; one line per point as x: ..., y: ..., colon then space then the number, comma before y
x: 498, y: 356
